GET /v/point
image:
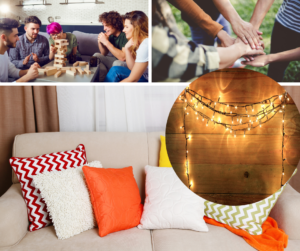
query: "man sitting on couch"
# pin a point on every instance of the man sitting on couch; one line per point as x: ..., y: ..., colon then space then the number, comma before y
x: 113, y: 40
x: 31, y: 47
x: 8, y: 39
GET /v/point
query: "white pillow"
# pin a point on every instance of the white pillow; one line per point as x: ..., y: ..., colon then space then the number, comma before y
x: 169, y: 203
x: 67, y: 199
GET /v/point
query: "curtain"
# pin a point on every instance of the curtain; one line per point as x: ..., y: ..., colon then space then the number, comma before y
x: 115, y: 108
x: 23, y: 109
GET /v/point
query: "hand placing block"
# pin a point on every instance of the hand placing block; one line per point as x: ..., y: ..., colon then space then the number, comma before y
x: 57, y: 74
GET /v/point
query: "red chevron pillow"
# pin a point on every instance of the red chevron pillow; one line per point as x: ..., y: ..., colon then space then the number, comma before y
x: 26, y: 168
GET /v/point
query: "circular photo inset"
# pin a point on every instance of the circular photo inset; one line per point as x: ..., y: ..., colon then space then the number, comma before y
x: 232, y: 136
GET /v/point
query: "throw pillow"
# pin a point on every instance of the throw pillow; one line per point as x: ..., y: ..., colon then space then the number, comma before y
x: 169, y: 203
x: 247, y: 217
x: 115, y: 198
x: 163, y: 156
x: 67, y: 199
x: 26, y: 168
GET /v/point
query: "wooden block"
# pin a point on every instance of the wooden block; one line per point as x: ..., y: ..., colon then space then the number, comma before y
x: 50, y: 67
x: 72, y: 73
x: 88, y: 72
x: 76, y: 64
x: 42, y: 71
x: 59, y: 61
x: 82, y: 63
x: 62, y: 46
x: 51, y: 72
x: 60, y: 65
x: 57, y: 74
x: 59, y: 56
x: 73, y: 70
x: 87, y: 66
x: 80, y: 71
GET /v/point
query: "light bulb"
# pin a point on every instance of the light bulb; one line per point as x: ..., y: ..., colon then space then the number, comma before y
x: 282, y: 121
x: 227, y: 105
x: 197, y: 118
x: 230, y: 112
x: 196, y: 113
x: 235, y: 107
x: 282, y: 173
x: 184, y: 108
x: 187, y: 113
x: 202, y: 119
x: 185, y: 100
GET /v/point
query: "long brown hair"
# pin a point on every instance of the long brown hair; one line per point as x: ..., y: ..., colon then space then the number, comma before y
x: 139, y: 20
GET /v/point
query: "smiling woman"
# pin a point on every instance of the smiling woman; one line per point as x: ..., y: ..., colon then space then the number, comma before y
x: 136, y: 50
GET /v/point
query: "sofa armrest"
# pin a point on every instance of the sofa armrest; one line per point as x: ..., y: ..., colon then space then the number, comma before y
x: 13, y: 216
x: 286, y: 212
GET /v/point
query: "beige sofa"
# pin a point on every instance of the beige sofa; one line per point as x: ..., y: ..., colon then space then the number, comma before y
x: 119, y: 150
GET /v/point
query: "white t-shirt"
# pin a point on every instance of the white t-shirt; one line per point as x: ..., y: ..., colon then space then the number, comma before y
x: 7, y: 68
x: 142, y: 55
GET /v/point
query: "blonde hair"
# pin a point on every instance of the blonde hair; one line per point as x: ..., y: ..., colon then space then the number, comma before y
x: 139, y: 21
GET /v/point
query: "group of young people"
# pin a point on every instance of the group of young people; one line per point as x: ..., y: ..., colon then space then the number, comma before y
x: 209, y: 21
x: 123, y: 48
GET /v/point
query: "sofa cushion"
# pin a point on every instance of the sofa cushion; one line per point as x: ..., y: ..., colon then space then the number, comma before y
x: 45, y: 239
x: 115, y: 198
x: 87, y: 43
x: 68, y: 200
x: 164, y: 160
x: 114, y: 149
x: 169, y: 203
x: 26, y: 168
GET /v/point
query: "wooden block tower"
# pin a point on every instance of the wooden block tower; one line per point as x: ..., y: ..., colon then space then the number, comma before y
x: 60, y: 56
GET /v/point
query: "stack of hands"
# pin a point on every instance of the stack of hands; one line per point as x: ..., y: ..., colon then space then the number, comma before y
x: 250, y: 40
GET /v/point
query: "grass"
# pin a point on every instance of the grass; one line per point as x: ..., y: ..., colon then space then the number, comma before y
x: 245, y: 9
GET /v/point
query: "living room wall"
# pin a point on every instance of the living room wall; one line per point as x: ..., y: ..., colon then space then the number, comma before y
x: 73, y: 13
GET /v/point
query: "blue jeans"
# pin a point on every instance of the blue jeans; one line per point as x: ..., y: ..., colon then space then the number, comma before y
x: 118, y: 73
x: 201, y: 37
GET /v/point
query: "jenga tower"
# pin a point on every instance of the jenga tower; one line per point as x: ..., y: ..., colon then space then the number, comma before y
x: 60, y: 56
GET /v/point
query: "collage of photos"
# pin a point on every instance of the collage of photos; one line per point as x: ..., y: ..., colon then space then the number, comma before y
x: 138, y: 125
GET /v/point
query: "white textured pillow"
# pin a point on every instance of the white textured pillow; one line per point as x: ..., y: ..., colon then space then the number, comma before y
x: 67, y: 199
x: 169, y: 203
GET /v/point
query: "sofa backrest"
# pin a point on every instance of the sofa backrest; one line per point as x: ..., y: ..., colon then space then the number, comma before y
x: 87, y: 43
x: 112, y: 149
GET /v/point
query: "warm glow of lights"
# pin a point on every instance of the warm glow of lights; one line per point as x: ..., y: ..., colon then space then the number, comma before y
x: 282, y: 121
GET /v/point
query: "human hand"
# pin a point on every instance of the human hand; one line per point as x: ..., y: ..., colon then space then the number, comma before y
x: 53, y: 49
x: 35, y: 57
x: 247, y: 52
x: 129, y: 44
x: 26, y: 60
x: 258, y: 61
x: 225, y: 39
x: 247, y: 33
x: 33, y: 72
x: 103, y: 38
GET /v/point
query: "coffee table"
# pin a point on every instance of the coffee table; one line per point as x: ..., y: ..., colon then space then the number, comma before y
x: 68, y: 78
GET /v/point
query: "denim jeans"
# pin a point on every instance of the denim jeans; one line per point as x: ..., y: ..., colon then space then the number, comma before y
x: 118, y: 73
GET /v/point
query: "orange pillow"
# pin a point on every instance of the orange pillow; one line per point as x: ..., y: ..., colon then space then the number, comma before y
x: 115, y: 198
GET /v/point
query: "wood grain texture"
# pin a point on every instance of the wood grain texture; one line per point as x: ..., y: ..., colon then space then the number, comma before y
x: 233, y: 170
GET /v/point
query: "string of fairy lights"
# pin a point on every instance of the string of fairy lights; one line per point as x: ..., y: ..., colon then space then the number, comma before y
x: 245, y: 121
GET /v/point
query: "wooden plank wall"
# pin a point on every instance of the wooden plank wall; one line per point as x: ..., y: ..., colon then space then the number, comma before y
x: 228, y: 170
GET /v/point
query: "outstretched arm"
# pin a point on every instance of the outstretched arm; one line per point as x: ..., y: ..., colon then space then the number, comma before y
x: 199, y: 17
x: 244, y: 30
x: 260, y: 11
x: 290, y: 55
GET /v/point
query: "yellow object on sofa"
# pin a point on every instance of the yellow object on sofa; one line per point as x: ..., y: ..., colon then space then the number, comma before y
x: 163, y: 157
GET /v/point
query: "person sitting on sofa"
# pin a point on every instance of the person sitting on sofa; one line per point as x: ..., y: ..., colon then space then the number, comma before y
x: 8, y: 39
x: 113, y: 40
x: 56, y: 32
x: 136, y: 49
x: 31, y: 46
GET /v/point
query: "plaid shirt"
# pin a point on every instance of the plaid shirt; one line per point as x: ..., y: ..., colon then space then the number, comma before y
x: 176, y: 60
x: 40, y: 47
